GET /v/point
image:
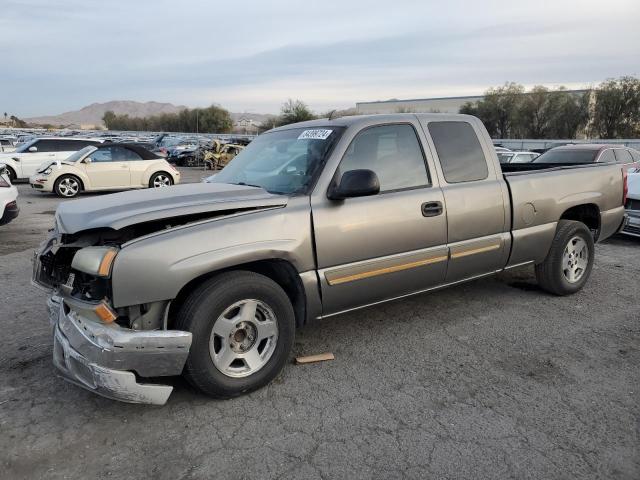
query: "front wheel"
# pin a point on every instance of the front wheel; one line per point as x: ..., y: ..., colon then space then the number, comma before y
x: 67, y: 186
x: 243, y: 328
x: 568, y: 264
x: 160, y: 179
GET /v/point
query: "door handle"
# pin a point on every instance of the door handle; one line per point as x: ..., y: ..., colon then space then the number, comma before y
x: 431, y: 209
x: 124, y: 166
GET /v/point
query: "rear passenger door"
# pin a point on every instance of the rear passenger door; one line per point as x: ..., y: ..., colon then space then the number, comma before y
x: 475, y: 196
x: 379, y: 247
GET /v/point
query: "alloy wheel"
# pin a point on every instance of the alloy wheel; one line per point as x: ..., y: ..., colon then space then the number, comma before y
x: 161, y: 180
x: 68, y: 187
x: 575, y: 259
x: 243, y: 338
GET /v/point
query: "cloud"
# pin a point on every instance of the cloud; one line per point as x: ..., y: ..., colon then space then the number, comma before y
x: 63, y: 55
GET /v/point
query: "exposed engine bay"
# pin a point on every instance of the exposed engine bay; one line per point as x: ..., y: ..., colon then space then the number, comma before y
x: 53, y: 265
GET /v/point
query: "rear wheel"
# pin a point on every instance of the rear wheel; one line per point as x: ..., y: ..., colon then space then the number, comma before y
x: 160, y: 179
x: 67, y: 186
x: 568, y: 264
x: 243, y: 328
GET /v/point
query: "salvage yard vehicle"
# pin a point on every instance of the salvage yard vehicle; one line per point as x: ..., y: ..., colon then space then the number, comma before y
x: 517, y: 157
x: 211, y: 280
x: 111, y: 166
x: 632, y: 205
x: 23, y: 163
x: 8, y: 198
x: 589, y: 153
x: 221, y: 154
x: 7, y: 145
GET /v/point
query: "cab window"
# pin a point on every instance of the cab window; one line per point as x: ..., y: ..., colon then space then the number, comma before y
x: 391, y: 151
x: 459, y: 151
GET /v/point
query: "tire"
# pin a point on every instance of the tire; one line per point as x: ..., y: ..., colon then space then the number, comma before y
x: 67, y: 186
x: 568, y: 264
x: 160, y: 179
x: 210, y: 314
x: 11, y: 174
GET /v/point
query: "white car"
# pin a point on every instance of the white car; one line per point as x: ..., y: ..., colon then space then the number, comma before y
x: 632, y: 206
x: 8, y: 196
x: 110, y: 166
x: 7, y: 144
x: 517, y: 157
x: 24, y: 162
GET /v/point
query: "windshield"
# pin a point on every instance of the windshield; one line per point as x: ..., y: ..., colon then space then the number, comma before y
x: 80, y: 154
x: 25, y: 146
x: 284, y: 162
x: 505, y: 157
x: 567, y: 156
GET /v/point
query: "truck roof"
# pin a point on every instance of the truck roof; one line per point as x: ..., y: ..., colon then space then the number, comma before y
x: 382, y: 118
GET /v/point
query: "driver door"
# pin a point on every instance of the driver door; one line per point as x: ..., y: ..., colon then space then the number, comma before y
x: 373, y: 248
x: 108, y: 168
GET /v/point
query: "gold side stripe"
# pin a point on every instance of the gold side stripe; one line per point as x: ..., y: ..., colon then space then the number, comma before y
x: 473, y: 251
x: 382, y: 271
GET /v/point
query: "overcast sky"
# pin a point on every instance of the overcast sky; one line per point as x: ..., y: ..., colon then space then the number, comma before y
x: 61, y: 55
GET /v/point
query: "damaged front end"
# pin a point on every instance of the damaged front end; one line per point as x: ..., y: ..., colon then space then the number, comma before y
x: 110, y: 351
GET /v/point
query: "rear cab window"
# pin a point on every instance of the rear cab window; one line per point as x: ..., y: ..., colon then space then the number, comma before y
x: 459, y: 151
x: 623, y: 155
x: 607, y: 156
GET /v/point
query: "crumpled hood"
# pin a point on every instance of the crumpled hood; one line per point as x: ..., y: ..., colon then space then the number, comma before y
x: 120, y: 210
x: 50, y: 163
x: 633, y: 183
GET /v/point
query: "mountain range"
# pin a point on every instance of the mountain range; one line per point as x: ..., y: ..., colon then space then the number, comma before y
x: 92, y: 114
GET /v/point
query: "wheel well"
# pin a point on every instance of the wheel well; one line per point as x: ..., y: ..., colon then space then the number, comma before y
x: 589, y: 214
x: 280, y: 271
x: 11, y: 171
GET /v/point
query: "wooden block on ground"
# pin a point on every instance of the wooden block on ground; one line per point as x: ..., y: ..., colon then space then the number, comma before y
x: 321, y: 357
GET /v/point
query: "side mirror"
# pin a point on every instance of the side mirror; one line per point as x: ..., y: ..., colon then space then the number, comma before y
x: 33, y: 149
x: 355, y: 183
x: 87, y: 160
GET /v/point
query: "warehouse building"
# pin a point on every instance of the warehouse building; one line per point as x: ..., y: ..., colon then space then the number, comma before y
x: 423, y: 105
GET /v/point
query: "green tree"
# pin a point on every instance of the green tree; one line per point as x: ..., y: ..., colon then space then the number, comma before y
x: 109, y: 118
x: 294, y: 111
x: 213, y: 119
x: 617, y: 108
x: 571, y: 114
x: 536, y: 113
x: 498, y: 110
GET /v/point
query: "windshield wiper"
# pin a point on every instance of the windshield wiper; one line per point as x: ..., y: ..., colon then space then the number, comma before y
x: 247, y: 184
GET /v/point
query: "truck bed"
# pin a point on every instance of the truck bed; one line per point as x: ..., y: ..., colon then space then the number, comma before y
x: 541, y: 196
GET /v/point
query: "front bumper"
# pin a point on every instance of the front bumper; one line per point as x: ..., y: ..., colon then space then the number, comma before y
x: 107, y: 359
x: 632, y: 223
x: 44, y: 183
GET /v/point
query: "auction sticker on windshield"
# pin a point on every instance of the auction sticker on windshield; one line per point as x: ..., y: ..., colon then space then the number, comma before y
x: 315, y: 134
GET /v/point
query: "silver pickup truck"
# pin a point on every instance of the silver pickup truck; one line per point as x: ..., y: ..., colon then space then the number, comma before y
x: 314, y: 219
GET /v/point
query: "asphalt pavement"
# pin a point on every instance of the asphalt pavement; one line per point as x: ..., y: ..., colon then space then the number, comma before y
x: 491, y: 379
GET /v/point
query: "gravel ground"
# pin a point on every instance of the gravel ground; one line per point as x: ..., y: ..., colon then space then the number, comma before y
x: 492, y: 379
